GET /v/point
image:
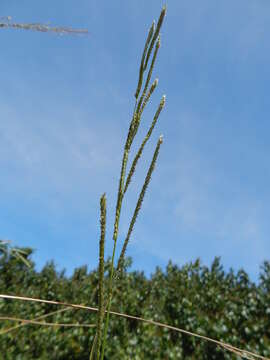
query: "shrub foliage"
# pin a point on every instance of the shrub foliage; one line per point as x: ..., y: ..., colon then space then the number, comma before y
x: 223, y: 305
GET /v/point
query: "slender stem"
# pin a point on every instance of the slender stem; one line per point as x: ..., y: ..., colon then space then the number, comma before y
x: 91, y: 357
x: 44, y: 323
x: 101, y: 273
x: 108, y: 305
x: 5, y: 331
x: 116, y: 225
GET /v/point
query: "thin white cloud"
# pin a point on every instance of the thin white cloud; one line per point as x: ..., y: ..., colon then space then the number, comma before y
x: 57, y: 152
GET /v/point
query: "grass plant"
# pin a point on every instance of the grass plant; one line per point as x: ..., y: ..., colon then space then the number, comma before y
x: 142, y: 97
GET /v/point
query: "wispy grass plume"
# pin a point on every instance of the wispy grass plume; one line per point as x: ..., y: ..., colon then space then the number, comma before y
x: 5, y: 22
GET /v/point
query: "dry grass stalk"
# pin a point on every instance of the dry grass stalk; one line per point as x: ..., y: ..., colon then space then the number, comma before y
x: 244, y: 353
x: 43, y: 323
x: 5, y: 331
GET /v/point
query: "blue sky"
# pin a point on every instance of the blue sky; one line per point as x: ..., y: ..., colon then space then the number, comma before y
x: 65, y: 105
